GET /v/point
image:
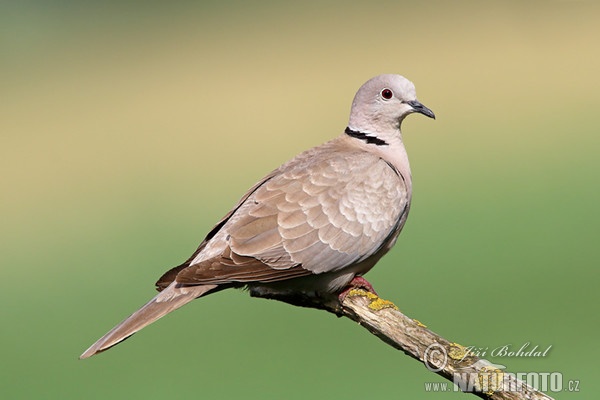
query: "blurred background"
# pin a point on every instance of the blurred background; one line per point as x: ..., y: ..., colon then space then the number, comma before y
x: 128, y: 129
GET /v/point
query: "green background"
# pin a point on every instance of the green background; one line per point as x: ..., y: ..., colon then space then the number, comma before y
x: 128, y: 129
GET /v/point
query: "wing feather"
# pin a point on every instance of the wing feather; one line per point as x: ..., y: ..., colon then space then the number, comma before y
x: 318, y: 213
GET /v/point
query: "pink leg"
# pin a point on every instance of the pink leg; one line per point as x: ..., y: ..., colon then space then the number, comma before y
x: 358, y: 282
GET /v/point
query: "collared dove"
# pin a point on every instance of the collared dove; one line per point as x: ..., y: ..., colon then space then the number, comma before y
x: 310, y: 227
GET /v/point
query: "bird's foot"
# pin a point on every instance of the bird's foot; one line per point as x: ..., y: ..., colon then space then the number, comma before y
x: 358, y: 282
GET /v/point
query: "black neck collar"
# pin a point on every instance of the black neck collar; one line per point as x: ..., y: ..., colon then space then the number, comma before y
x: 363, y: 136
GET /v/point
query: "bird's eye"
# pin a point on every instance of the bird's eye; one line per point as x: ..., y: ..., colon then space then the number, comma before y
x: 387, y: 94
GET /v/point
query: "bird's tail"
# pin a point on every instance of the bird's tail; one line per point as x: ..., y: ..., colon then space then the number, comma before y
x: 166, y: 301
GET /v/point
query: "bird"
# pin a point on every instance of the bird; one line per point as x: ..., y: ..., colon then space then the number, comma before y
x: 312, y: 227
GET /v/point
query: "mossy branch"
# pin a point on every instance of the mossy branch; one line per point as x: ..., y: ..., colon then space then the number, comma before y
x: 447, y: 359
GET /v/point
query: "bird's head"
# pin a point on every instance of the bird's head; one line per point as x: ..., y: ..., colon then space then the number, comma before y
x: 382, y: 103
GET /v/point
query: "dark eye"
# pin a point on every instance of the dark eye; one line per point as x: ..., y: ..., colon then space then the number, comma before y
x: 387, y: 94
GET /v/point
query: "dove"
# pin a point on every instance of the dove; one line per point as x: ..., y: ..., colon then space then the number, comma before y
x: 312, y: 227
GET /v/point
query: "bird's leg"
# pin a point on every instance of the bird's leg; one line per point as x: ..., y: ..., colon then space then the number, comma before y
x: 358, y: 282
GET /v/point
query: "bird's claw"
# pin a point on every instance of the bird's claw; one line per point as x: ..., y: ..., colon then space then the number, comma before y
x: 358, y: 282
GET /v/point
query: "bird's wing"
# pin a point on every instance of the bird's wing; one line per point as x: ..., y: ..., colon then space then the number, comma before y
x: 326, y: 209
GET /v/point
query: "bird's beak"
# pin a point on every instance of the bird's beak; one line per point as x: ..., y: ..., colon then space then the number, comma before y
x: 420, y: 108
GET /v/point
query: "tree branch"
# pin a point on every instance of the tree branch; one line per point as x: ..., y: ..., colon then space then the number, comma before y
x: 447, y: 359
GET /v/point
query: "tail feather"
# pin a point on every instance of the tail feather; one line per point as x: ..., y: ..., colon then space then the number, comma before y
x: 166, y: 301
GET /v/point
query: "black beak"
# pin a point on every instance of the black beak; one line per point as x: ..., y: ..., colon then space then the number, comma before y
x: 420, y: 108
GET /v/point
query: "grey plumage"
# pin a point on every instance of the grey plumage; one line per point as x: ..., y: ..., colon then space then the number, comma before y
x: 310, y: 226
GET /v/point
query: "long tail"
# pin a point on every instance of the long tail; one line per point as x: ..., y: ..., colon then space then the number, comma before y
x: 166, y: 301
